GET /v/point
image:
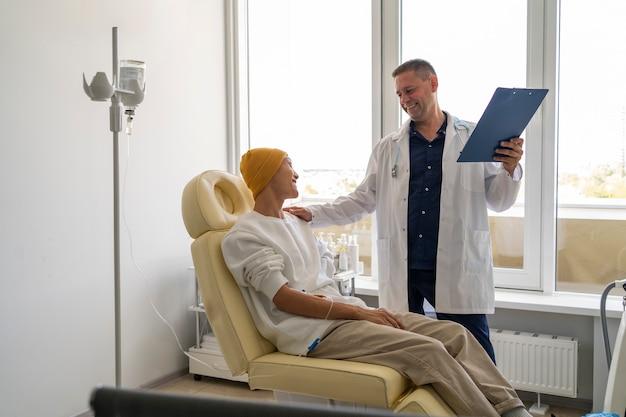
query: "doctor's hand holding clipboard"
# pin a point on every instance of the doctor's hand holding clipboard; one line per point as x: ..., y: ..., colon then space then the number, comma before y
x: 509, y: 153
x: 506, y: 116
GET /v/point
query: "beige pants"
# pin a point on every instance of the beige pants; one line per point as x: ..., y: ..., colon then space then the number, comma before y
x: 437, y: 352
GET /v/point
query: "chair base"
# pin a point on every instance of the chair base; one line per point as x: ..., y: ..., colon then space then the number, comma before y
x: 211, y: 363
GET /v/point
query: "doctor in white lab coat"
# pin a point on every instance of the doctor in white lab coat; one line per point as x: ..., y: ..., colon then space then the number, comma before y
x: 455, y: 274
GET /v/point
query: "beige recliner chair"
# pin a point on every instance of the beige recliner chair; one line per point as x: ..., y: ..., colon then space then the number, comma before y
x: 211, y: 203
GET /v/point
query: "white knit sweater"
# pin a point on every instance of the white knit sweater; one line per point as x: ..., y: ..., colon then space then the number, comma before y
x: 263, y: 253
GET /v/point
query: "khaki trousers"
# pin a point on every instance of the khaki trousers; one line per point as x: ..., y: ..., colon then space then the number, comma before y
x: 437, y: 352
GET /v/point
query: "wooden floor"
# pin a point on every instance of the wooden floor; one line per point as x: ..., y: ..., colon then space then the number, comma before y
x: 231, y: 389
x: 214, y: 387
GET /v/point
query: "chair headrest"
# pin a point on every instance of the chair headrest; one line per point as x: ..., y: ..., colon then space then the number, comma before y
x: 213, y: 200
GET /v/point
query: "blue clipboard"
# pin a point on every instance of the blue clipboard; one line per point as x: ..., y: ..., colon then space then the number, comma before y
x: 506, y: 116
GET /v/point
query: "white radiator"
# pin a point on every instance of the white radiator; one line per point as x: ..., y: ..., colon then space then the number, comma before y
x: 537, y: 362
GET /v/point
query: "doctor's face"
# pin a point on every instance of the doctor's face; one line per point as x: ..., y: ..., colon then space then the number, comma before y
x: 417, y: 96
x: 284, y: 181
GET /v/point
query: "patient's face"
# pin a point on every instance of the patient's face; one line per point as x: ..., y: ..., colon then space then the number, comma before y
x: 284, y: 181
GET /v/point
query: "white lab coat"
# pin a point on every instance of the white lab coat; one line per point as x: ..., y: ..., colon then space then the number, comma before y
x: 464, y: 265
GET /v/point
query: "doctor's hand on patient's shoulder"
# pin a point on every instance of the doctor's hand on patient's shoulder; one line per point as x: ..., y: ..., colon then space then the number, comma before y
x: 509, y: 153
x: 301, y: 212
x: 378, y: 316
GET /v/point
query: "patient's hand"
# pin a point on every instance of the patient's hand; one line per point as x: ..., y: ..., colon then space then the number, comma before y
x: 379, y: 316
x: 301, y: 212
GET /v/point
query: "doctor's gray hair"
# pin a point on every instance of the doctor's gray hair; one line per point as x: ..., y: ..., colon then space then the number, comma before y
x: 420, y: 66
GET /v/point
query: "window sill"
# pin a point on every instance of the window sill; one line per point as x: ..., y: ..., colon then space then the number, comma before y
x: 560, y: 302
x: 366, y: 285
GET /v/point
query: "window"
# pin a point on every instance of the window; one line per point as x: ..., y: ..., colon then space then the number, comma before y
x: 309, y: 93
x: 591, y: 225
x: 486, y: 50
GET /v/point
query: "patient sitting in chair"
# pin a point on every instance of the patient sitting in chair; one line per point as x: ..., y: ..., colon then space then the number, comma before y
x: 285, y: 276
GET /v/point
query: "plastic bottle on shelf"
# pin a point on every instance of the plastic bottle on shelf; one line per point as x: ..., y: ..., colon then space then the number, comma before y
x: 330, y: 244
x: 343, y: 258
x: 342, y: 250
x: 353, y: 254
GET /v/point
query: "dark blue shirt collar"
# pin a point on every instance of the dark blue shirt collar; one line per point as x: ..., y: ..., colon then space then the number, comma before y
x: 440, y: 132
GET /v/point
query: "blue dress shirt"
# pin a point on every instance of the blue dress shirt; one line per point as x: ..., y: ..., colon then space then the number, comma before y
x: 424, y: 194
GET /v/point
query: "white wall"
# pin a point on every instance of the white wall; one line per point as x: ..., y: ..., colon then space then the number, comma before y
x: 56, y: 244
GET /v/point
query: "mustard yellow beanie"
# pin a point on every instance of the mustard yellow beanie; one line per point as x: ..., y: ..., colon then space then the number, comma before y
x: 259, y: 165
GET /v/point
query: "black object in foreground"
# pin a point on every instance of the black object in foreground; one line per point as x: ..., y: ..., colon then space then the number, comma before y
x: 119, y: 402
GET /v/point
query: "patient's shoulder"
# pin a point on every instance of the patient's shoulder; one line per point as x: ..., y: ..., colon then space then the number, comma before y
x: 239, y: 239
x: 243, y: 221
x: 243, y: 225
x: 248, y: 226
x: 291, y: 218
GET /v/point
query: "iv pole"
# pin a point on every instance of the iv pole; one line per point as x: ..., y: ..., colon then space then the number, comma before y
x: 115, y: 119
x: 101, y: 90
